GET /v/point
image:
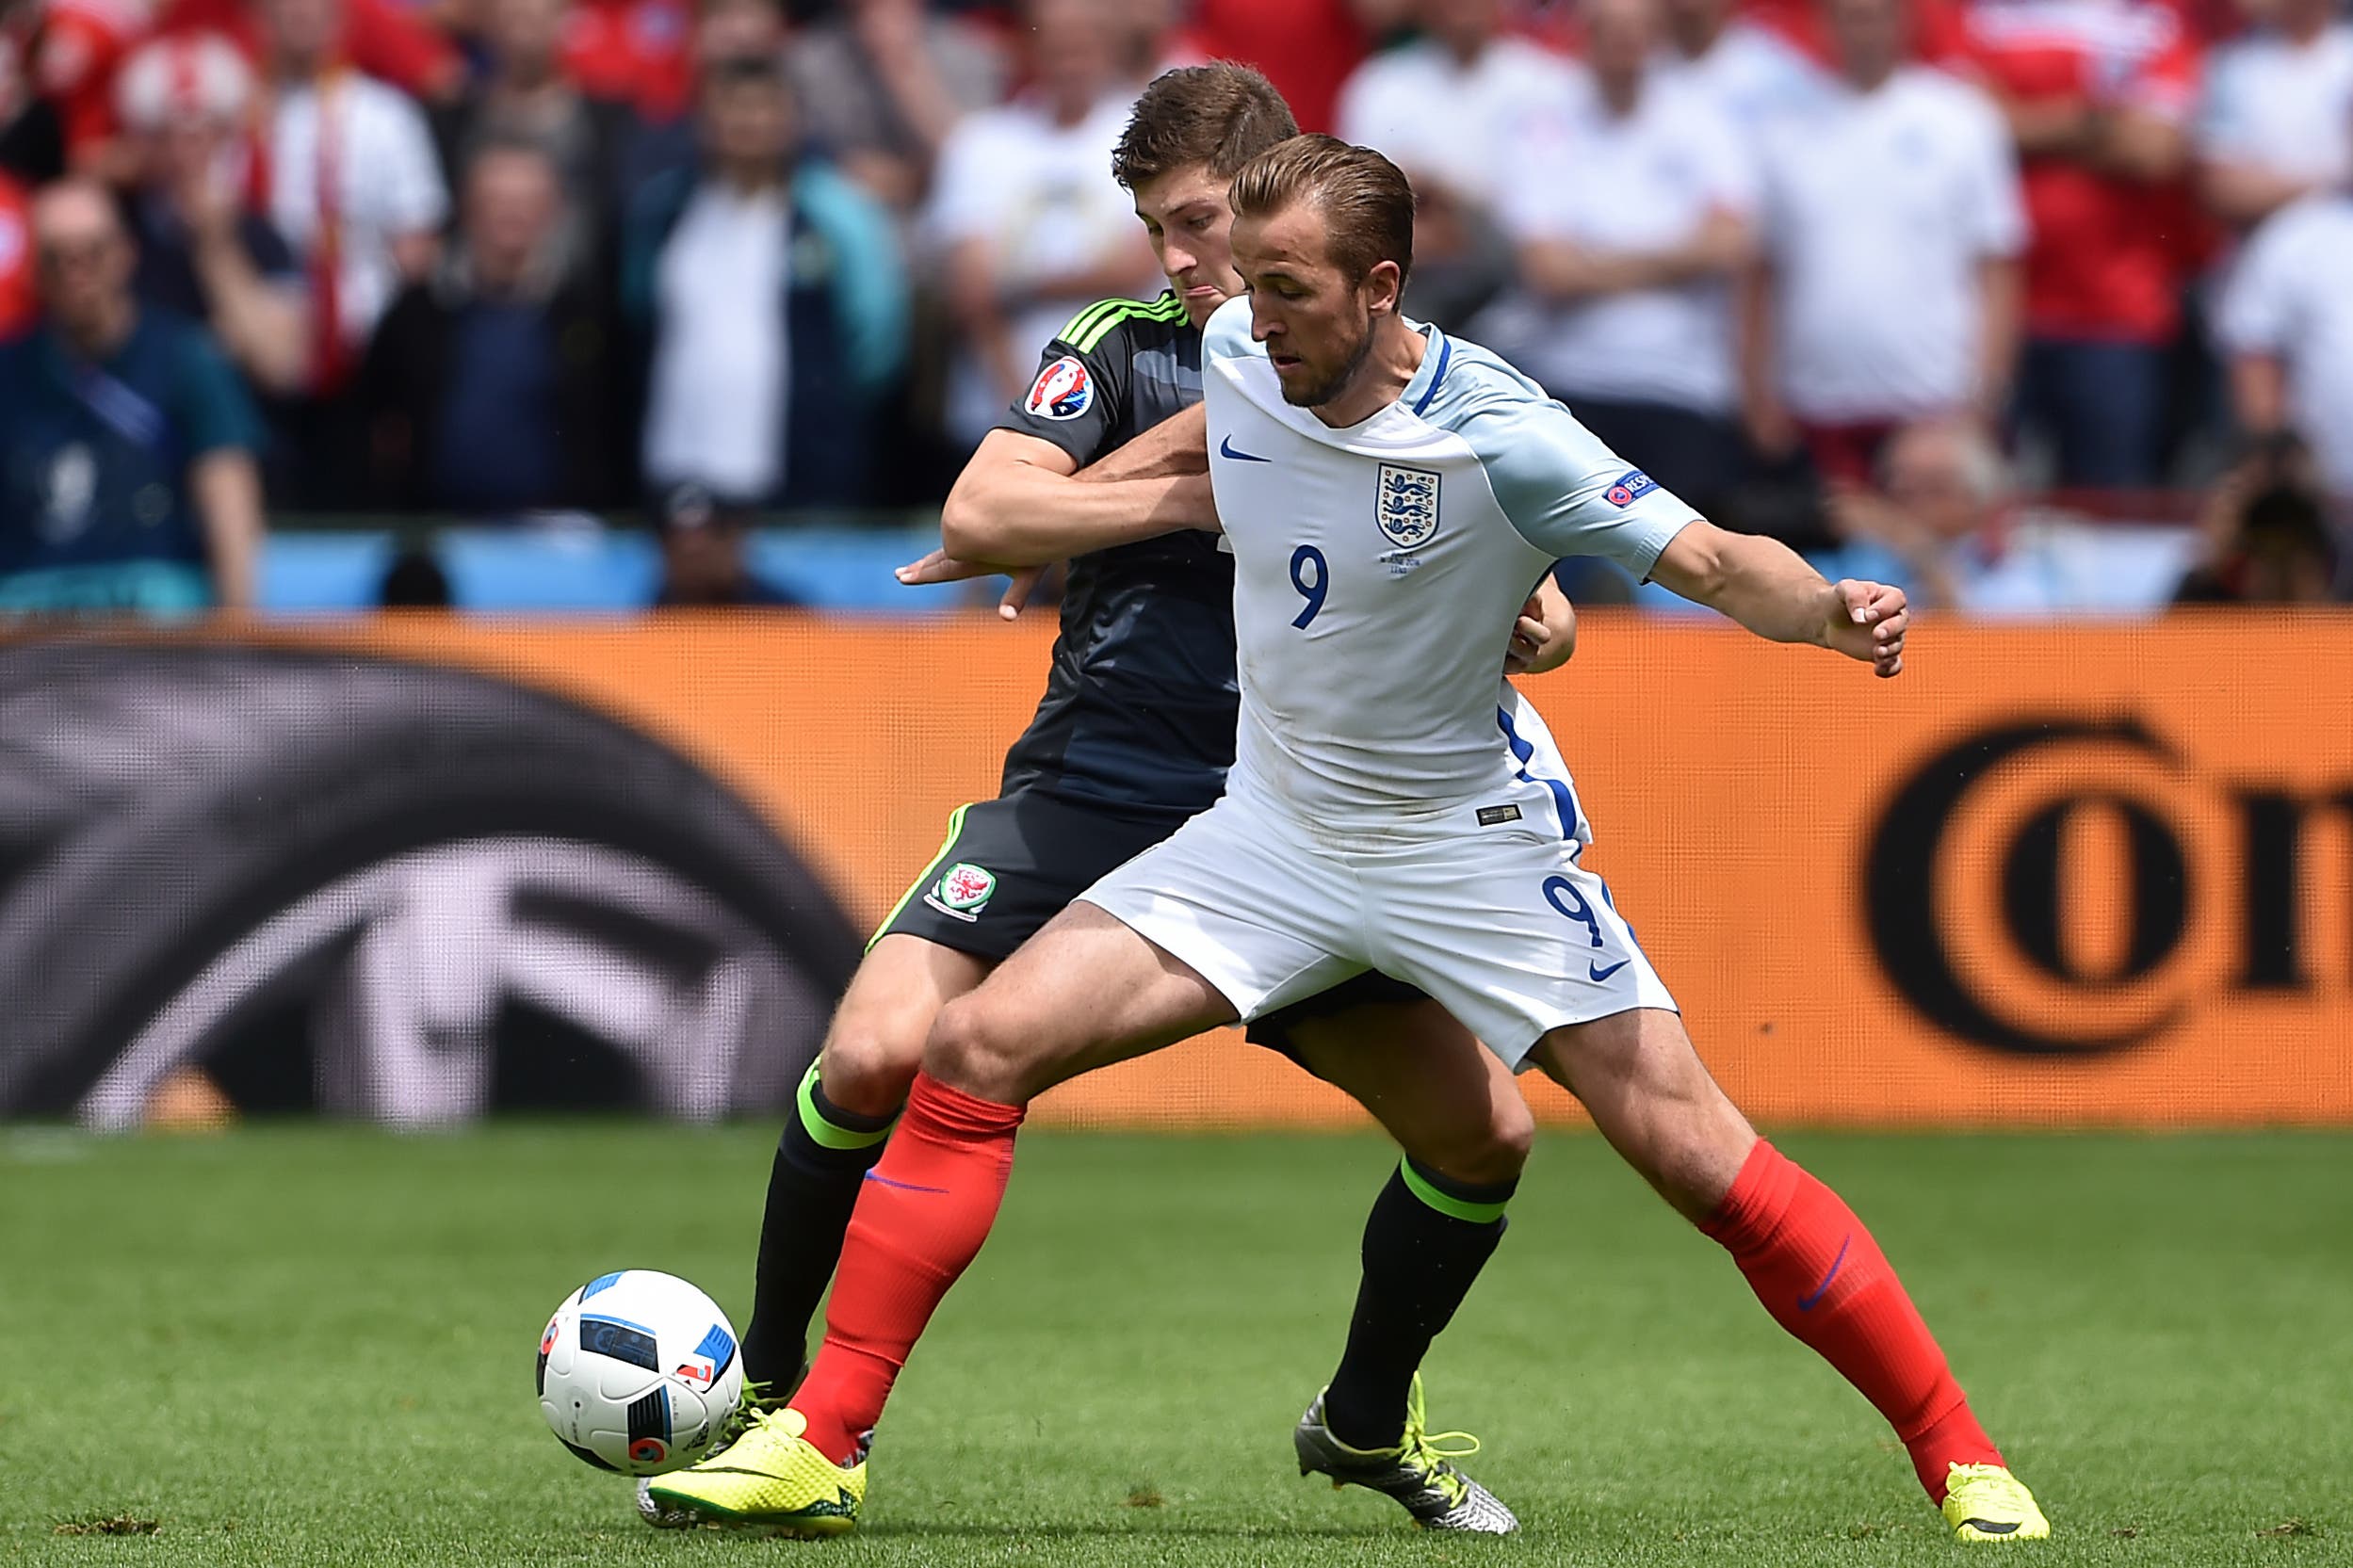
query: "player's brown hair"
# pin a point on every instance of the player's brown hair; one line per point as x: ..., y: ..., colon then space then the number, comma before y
x: 1220, y: 114
x: 1367, y: 202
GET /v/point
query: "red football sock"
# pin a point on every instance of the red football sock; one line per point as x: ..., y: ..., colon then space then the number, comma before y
x: 920, y: 1220
x: 1824, y: 1280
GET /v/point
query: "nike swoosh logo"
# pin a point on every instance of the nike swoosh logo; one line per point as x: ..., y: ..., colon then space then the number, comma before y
x: 1600, y: 974
x: 1226, y: 450
x: 1988, y: 1526
x: 903, y: 1186
x: 1807, y: 1304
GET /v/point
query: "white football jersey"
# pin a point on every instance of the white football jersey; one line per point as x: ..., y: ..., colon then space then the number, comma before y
x: 1379, y: 571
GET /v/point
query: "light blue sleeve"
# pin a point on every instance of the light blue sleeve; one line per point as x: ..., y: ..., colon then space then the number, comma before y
x: 1566, y: 493
x: 1226, y: 334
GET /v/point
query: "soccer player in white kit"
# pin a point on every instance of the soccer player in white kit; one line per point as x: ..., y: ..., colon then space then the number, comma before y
x: 1389, y: 495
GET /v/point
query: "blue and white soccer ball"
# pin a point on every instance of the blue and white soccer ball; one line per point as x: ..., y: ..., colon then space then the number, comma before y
x: 637, y: 1372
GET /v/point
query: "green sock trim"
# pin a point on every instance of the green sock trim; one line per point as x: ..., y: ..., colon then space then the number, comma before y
x: 831, y: 1137
x: 1445, y: 1203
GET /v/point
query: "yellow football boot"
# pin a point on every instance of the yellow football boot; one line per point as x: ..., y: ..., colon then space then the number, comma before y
x: 772, y: 1478
x: 1986, y: 1503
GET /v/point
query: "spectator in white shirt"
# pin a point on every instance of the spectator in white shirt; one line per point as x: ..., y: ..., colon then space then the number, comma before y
x: 1888, y: 287
x: 355, y: 186
x: 769, y: 299
x: 2287, y: 324
x: 1444, y: 107
x: 1448, y: 108
x: 2279, y: 102
x: 1750, y: 73
x: 1632, y: 218
x: 1029, y: 225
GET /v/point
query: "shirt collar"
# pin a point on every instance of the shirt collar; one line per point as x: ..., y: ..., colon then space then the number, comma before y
x: 1432, y: 374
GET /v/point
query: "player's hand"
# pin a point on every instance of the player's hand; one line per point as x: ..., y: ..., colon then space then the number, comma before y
x: 1025, y: 582
x: 1866, y: 621
x: 1541, y: 641
x: 941, y: 567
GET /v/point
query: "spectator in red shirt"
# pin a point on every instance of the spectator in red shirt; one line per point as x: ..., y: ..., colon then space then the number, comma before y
x: 78, y: 48
x: 635, y: 52
x: 1306, y: 48
x: 2098, y: 94
x: 82, y: 43
x: 18, y: 304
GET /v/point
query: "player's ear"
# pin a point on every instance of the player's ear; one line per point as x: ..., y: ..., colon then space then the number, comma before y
x: 1385, y: 286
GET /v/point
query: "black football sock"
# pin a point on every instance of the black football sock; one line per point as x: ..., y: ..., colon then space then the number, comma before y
x: 1424, y: 1243
x: 821, y: 1161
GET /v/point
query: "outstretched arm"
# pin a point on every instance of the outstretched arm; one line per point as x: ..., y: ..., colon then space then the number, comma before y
x: 1769, y: 589
x: 1021, y: 502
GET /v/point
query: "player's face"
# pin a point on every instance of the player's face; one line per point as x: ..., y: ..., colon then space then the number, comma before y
x: 1316, y: 324
x: 1185, y: 212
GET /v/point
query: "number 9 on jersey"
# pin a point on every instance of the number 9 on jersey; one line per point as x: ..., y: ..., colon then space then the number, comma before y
x: 1311, y: 589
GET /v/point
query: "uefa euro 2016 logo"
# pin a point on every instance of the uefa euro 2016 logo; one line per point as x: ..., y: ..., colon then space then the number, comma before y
x: 1406, y: 504
x: 1063, y: 389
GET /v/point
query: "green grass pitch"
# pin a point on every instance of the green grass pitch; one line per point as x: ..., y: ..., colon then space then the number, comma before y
x: 312, y: 1345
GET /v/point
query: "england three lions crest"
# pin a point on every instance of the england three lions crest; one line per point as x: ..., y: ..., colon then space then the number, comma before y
x: 1406, y: 504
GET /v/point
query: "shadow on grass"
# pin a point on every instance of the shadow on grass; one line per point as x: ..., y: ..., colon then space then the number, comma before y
x: 1203, y: 1530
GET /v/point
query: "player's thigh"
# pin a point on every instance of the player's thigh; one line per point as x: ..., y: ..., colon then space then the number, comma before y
x: 1008, y: 867
x: 1245, y: 899
x: 1445, y: 1098
x: 1084, y: 992
x: 1011, y: 865
x: 875, y: 1043
x: 1651, y: 1096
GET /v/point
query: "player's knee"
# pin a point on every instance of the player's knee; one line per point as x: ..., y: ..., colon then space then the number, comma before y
x: 973, y: 1049
x: 868, y: 1063
x: 1483, y: 1155
x: 1511, y: 1139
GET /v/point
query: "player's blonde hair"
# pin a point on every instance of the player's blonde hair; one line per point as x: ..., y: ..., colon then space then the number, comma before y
x: 1367, y: 202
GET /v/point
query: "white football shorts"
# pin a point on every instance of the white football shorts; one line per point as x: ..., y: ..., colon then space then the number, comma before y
x: 1495, y: 921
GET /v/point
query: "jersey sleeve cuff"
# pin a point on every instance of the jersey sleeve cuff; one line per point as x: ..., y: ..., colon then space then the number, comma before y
x: 1651, y: 552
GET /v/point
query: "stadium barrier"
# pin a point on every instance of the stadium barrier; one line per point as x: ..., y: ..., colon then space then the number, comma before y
x: 413, y: 867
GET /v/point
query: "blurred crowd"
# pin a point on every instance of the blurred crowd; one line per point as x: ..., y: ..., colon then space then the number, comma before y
x: 1928, y: 287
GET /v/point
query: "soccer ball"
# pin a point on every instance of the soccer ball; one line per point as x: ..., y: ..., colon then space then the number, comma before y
x: 637, y: 1372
